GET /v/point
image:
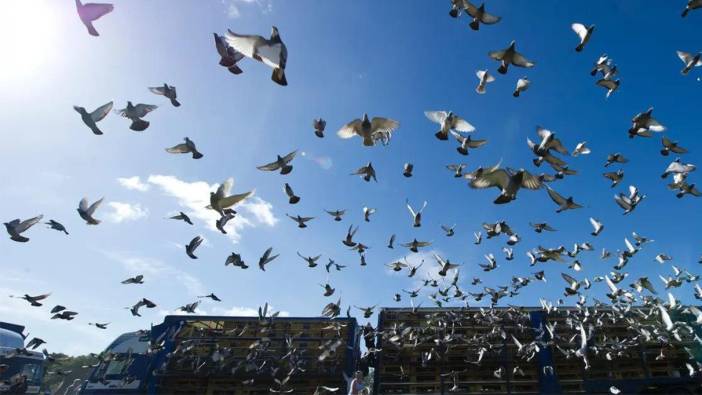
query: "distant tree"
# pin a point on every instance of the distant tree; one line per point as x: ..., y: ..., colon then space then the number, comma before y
x: 65, y: 369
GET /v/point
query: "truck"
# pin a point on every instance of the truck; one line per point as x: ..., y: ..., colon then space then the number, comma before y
x: 21, y: 370
x: 213, y: 354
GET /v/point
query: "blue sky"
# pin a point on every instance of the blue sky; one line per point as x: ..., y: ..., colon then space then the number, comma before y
x: 345, y: 58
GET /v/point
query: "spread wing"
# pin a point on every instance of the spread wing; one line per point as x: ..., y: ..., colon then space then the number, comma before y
x: 101, y: 112
x: 159, y: 90
x: 233, y: 199
x: 26, y: 224
x: 350, y: 129
x: 519, y: 60
x: 179, y: 149
x: 269, y: 166
x: 93, y: 11
x: 287, y: 158
x: 436, y: 116
x: 462, y: 125
x: 490, y: 19
x: 141, y: 110
x: 497, y: 55
x: 530, y: 181
x: 580, y: 30
x: 94, y: 206
x: 556, y: 197
x: 496, y: 178
x: 383, y: 125
x: 246, y: 44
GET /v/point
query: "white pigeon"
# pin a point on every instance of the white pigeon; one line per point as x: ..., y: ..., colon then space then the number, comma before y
x: 581, y: 149
x: 377, y: 129
x: 90, y: 12
x: 597, y: 225
x: 690, y: 61
x: 448, y: 122
x: 584, y: 32
x: 272, y: 51
x: 485, y: 78
x: 677, y: 167
x: 510, y: 56
x: 522, y: 85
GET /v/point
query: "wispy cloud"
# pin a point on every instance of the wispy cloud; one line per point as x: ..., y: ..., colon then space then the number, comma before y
x: 122, y: 212
x: 325, y: 162
x: 194, y: 197
x: 233, y: 7
x: 133, y: 183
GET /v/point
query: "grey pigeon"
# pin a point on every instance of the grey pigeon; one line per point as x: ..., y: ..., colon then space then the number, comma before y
x: 272, y: 51
x: 168, y: 91
x: 510, y: 56
x: 89, y: 12
x: 229, y: 57
x: 281, y: 163
x: 188, y: 147
x: 15, y: 228
x: 86, y: 212
x: 192, y: 246
x: 57, y: 226
x: 91, y: 119
x: 135, y: 113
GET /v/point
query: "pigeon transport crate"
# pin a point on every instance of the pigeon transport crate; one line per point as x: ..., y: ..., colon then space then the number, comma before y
x: 400, y: 367
x: 328, y: 351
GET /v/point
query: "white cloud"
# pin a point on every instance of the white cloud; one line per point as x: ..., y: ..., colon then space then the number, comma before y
x: 122, y: 212
x: 233, y: 7
x: 241, y: 311
x: 133, y: 183
x: 195, y: 197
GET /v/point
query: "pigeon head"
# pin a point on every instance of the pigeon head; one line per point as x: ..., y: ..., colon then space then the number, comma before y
x: 512, y: 45
x: 274, y: 33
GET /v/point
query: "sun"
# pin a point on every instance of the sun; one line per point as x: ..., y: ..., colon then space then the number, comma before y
x: 27, y: 38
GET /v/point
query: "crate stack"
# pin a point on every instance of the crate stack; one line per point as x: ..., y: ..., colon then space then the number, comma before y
x: 244, y: 355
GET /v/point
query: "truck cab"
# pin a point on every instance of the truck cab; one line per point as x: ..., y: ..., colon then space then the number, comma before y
x: 124, y: 367
x: 21, y: 370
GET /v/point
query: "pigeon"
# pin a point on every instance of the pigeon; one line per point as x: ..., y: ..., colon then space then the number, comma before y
x: 445, y: 265
x: 542, y: 151
x: 677, y: 167
x: 90, y: 12
x: 448, y: 122
x: 643, y: 124
x: 584, y: 33
x: 168, y: 91
x: 507, y: 180
x: 367, y: 212
x: 311, y: 260
x: 691, y: 61
x: 319, y: 124
x: 33, y: 300
x: 229, y: 57
x: 396, y: 266
x: 662, y: 258
x: 466, y: 143
x: 99, y: 325
x: 610, y: 84
x: 509, y: 56
x: 415, y: 245
x: 281, y: 163
x: 457, y: 169
x: 522, y: 85
x: 581, y: 149
x: 188, y: 147
x: 597, y: 225
x: 57, y: 308
x: 615, y: 158
x: 371, y: 131
x: 182, y: 217
x: 691, y: 5
x: 211, y: 296
x: 34, y: 343
x: 615, y: 176
x: 272, y: 52
x: 337, y: 214
x: 456, y: 7
x: 90, y: 119
x: 332, y: 310
x: 671, y: 146
x: 348, y: 241
x: 266, y: 258
x: 227, y: 215
x: 15, y: 228
x: 301, y: 221
x: 142, y: 303
x: 391, y: 242
x: 540, y: 227
x: 189, y: 308
x: 328, y: 290
x: 602, y: 63
x: 333, y: 263
x: 416, y: 216
x: 479, y: 15
x: 485, y: 78
x: 235, y: 260
x: 135, y: 113
x: 192, y: 246
x: 56, y: 226
x: 138, y: 279
x: 367, y: 172
x: 629, y: 203
x: 688, y: 189
x: 563, y: 203
x: 86, y: 212
x: 449, y: 230
x: 64, y: 315
x: 407, y: 170
x: 292, y: 198
x: 221, y: 200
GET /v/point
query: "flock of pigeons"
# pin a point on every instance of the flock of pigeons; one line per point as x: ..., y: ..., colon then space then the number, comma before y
x: 548, y: 151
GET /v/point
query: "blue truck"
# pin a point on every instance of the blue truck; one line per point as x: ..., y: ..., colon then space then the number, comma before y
x: 138, y: 362
x: 21, y: 370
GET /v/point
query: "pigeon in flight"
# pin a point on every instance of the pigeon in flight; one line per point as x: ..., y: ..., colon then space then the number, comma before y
x: 319, y: 124
x: 448, y: 122
x: 135, y: 113
x: 182, y: 217
x: 510, y: 56
x: 292, y: 198
x: 367, y: 212
x: 91, y: 119
x: 610, y: 84
x: 367, y: 172
x: 99, y: 325
x: 300, y: 220
x: 691, y: 5
x: 188, y: 147
x: 377, y: 129
x: 484, y: 78
x: 522, y: 85
x: 90, y: 12
x: 86, y: 212
x: 221, y: 200
x: 407, y: 170
x: 581, y: 149
x: 542, y: 226
x: 192, y: 246
x: 615, y: 176
x: 33, y: 300
x: 466, y: 143
x: 563, y: 203
x: 691, y: 61
x: 584, y: 33
x: 211, y: 296
x: 615, y: 158
x: 337, y: 214
x: 266, y: 258
x: 168, y: 91
x: 597, y: 226
x: 138, y: 279
x: 235, y: 260
x: 15, y: 228
x: 416, y: 215
x: 479, y: 15
x: 281, y: 163
x: 671, y: 146
x: 189, y: 308
x: 643, y: 124
x: 507, y: 180
x: 229, y: 57
x: 56, y: 226
x: 272, y: 52
x: 311, y: 260
x: 629, y: 203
